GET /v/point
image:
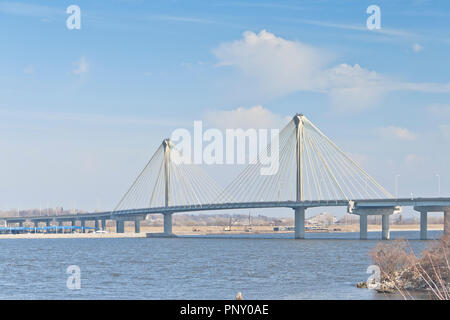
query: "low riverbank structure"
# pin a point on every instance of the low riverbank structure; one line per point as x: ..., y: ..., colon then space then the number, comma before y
x: 51, y: 229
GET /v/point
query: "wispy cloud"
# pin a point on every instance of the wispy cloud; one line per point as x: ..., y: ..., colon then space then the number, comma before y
x: 260, y: 5
x: 81, y: 66
x: 398, y: 133
x: 355, y: 27
x: 163, y: 17
x: 95, y: 119
x: 28, y: 69
x: 417, y: 47
x: 440, y: 110
x: 31, y: 10
x: 255, y: 117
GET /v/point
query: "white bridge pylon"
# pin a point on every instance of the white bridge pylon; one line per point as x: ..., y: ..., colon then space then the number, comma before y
x: 164, y: 182
x: 311, y: 168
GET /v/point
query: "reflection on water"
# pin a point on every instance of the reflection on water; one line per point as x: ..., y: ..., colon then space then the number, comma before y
x: 324, y: 266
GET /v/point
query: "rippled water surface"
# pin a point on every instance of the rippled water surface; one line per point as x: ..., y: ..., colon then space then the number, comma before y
x: 324, y: 266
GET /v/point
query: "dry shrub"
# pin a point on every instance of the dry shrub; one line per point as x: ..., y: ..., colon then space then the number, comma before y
x: 392, y: 258
x: 433, y: 268
x: 401, y: 269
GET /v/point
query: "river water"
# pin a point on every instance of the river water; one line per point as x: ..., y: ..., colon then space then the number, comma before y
x: 323, y: 266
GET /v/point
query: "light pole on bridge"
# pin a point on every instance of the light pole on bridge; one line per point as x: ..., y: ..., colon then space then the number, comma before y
x: 439, y: 184
x: 396, y: 185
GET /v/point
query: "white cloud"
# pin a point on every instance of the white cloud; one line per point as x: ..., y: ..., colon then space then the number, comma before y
x: 417, y: 47
x: 396, y: 133
x: 254, y: 117
x: 281, y: 66
x: 353, y: 87
x: 81, y: 66
x: 277, y: 67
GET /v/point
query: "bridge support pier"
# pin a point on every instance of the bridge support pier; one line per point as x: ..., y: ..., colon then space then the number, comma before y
x: 97, y: 227
x: 363, y: 212
x: 423, y: 218
x: 120, y: 226
x: 363, y: 226
x: 168, y: 224
x: 385, y: 231
x: 299, y: 223
x: 137, y: 226
x: 103, y: 224
x: 21, y: 224
x: 83, y: 226
x: 423, y: 225
x: 447, y: 221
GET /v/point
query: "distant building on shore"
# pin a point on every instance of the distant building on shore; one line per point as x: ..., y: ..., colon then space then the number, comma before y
x: 322, y: 219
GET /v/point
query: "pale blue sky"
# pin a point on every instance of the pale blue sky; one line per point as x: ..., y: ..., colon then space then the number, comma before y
x: 81, y: 111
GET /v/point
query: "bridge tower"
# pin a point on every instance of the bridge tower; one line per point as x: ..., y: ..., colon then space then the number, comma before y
x: 298, y: 120
x: 299, y: 211
x: 167, y: 146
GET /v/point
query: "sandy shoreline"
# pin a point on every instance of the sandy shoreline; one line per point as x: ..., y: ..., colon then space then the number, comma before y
x: 202, y: 230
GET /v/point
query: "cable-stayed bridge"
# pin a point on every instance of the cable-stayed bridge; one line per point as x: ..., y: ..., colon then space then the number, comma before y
x: 312, y: 172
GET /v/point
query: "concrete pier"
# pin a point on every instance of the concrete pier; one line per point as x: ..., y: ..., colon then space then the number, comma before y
x: 385, y: 232
x: 168, y: 224
x: 97, y: 227
x: 137, y: 226
x: 363, y: 226
x: 103, y: 224
x: 423, y: 217
x: 384, y: 212
x: 120, y: 226
x: 83, y: 225
x: 447, y: 221
x: 423, y: 225
x: 299, y: 223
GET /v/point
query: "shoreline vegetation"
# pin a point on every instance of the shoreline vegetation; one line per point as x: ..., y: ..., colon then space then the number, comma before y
x: 405, y: 273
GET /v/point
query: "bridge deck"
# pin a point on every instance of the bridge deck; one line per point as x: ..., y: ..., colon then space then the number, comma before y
x: 370, y: 203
